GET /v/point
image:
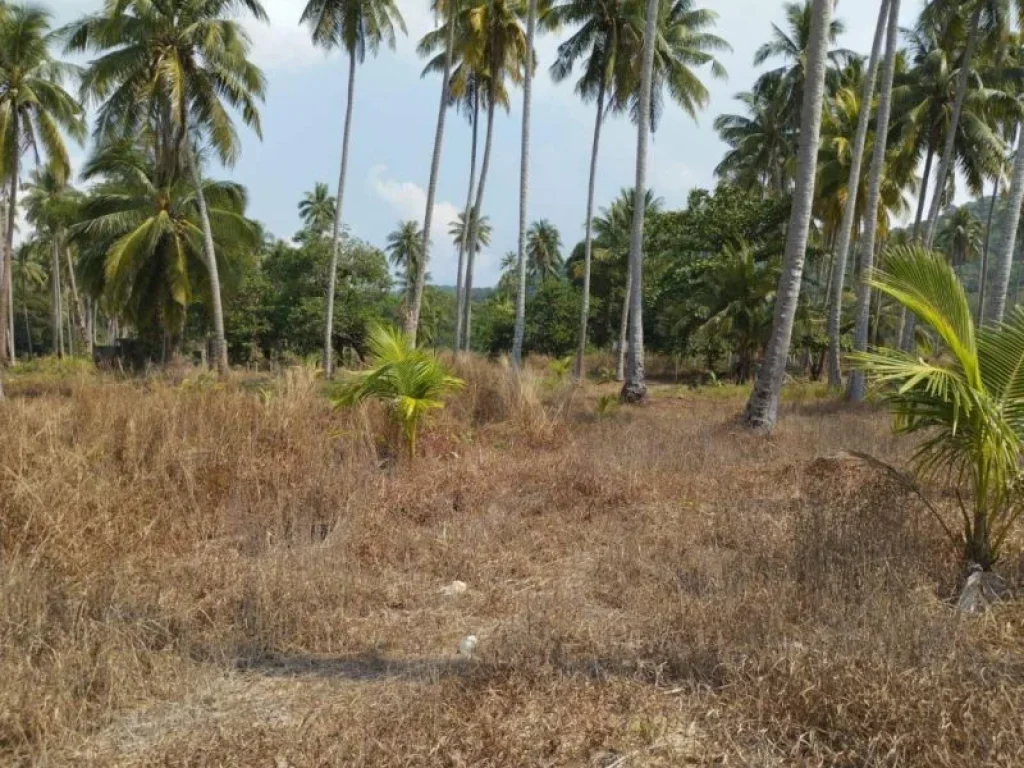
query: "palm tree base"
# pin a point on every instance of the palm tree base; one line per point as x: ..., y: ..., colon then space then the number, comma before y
x: 633, y: 393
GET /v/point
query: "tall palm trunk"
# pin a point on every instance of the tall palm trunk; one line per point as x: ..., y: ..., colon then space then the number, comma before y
x: 220, y: 342
x: 946, y: 161
x: 55, y: 293
x: 1007, y: 240
x: 762, y: 408
x: 80, y: 315
x: 474, y: 221
x: 634, y: 389
x: 835, y: 377
x: 860, y: 339
x: 588, y: 236
x: 464, y: 240
x: 524, y: 189
x: 620, y: 368
x: 332, y: 276
x: 8, y: 257
x: 983, y: 270
x: 906, y: 329
x: 10, y: 316
x: 412, y: 316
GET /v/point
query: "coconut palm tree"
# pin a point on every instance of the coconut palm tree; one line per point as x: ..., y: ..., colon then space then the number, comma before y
x: 760, y: 141
x: 450, y: 10
x: 51, y: 207
x: 966, y: 401
x: 141, y: 235
x: 850, y: 204
x: 961, y: 237
x: 856, y: 386
x: 599, y: 39
x: 458, y: 231
x: 405, y: 250
x: 634, y: 388
x: 200, y: 53
x: 316, y: 210
x: 519, y: 326
x: 34, y: 110
x: 986, y: 19
x: 355, y: 27
x: 792, y: 45
x: 495, y: 45
x: 762, y: 408
x: 543, y: 251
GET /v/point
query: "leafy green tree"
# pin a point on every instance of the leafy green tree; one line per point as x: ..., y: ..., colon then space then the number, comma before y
x: 760, y: 141
x: 35, y: 112
x: 967, y: 402
x: 354, y: 26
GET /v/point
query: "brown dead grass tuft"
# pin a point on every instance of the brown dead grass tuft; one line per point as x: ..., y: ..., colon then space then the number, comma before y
x: 210, y: 573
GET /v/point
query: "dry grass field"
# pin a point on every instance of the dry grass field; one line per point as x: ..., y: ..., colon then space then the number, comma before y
x: 196, y: 573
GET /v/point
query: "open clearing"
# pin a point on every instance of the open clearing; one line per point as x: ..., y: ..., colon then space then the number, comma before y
x: 230, y: 574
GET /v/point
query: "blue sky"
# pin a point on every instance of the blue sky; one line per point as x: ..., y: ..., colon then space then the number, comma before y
x: 395, y: 117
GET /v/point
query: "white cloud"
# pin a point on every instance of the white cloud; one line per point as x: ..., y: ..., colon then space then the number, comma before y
x: 282, y: 43
x: 408, y: 200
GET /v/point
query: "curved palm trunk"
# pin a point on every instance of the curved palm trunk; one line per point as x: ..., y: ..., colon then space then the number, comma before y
x: 8, y: 256
x: 946, y: 161
x: 860, y: 341
x: 332, y: 277
x: 835, y: 377
x: 474, y: 240
x: 1007, y: 241
x: 524, y: 189
x: 412, y: 317
x: 762, y: 408
x: 983, y: 271
x: 634, y: 389
x: 620, y: 368
x: 220, y: 343
x: 464, y: 240
x: 588, y: 236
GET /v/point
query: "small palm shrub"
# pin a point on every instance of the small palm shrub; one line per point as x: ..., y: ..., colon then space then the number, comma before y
x: 966, y: 399
x: 411, y: 381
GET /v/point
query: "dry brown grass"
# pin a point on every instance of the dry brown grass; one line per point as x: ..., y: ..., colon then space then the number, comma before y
x: 233, y: 574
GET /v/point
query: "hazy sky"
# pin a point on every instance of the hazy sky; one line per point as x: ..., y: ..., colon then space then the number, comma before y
x: 396, y: 113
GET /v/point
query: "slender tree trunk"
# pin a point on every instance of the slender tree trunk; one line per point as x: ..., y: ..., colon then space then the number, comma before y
x: 10, y: 316
x: 474, y: 221
x: 332, y: 276
x: 946, y: 161
x: 79, y: 308
x: 71, y: 334
x: 620, y: 368
x: 1007, y: 240
x: 460, y: 309
x: 983, y: 271
x: 588, y: 236
x: 906, y: 331
x: 762, y: 408
x: 856, y: 390
x: 209, y: 250
x: 55, y: 308
x: 8, y: 257
x: 634, y: 389
x: 524, y: 190
x: 412, y: 317
x: 835, y: 312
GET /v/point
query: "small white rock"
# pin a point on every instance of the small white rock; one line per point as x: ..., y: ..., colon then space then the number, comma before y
x: 467, y: 646
x: 454, y: 589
